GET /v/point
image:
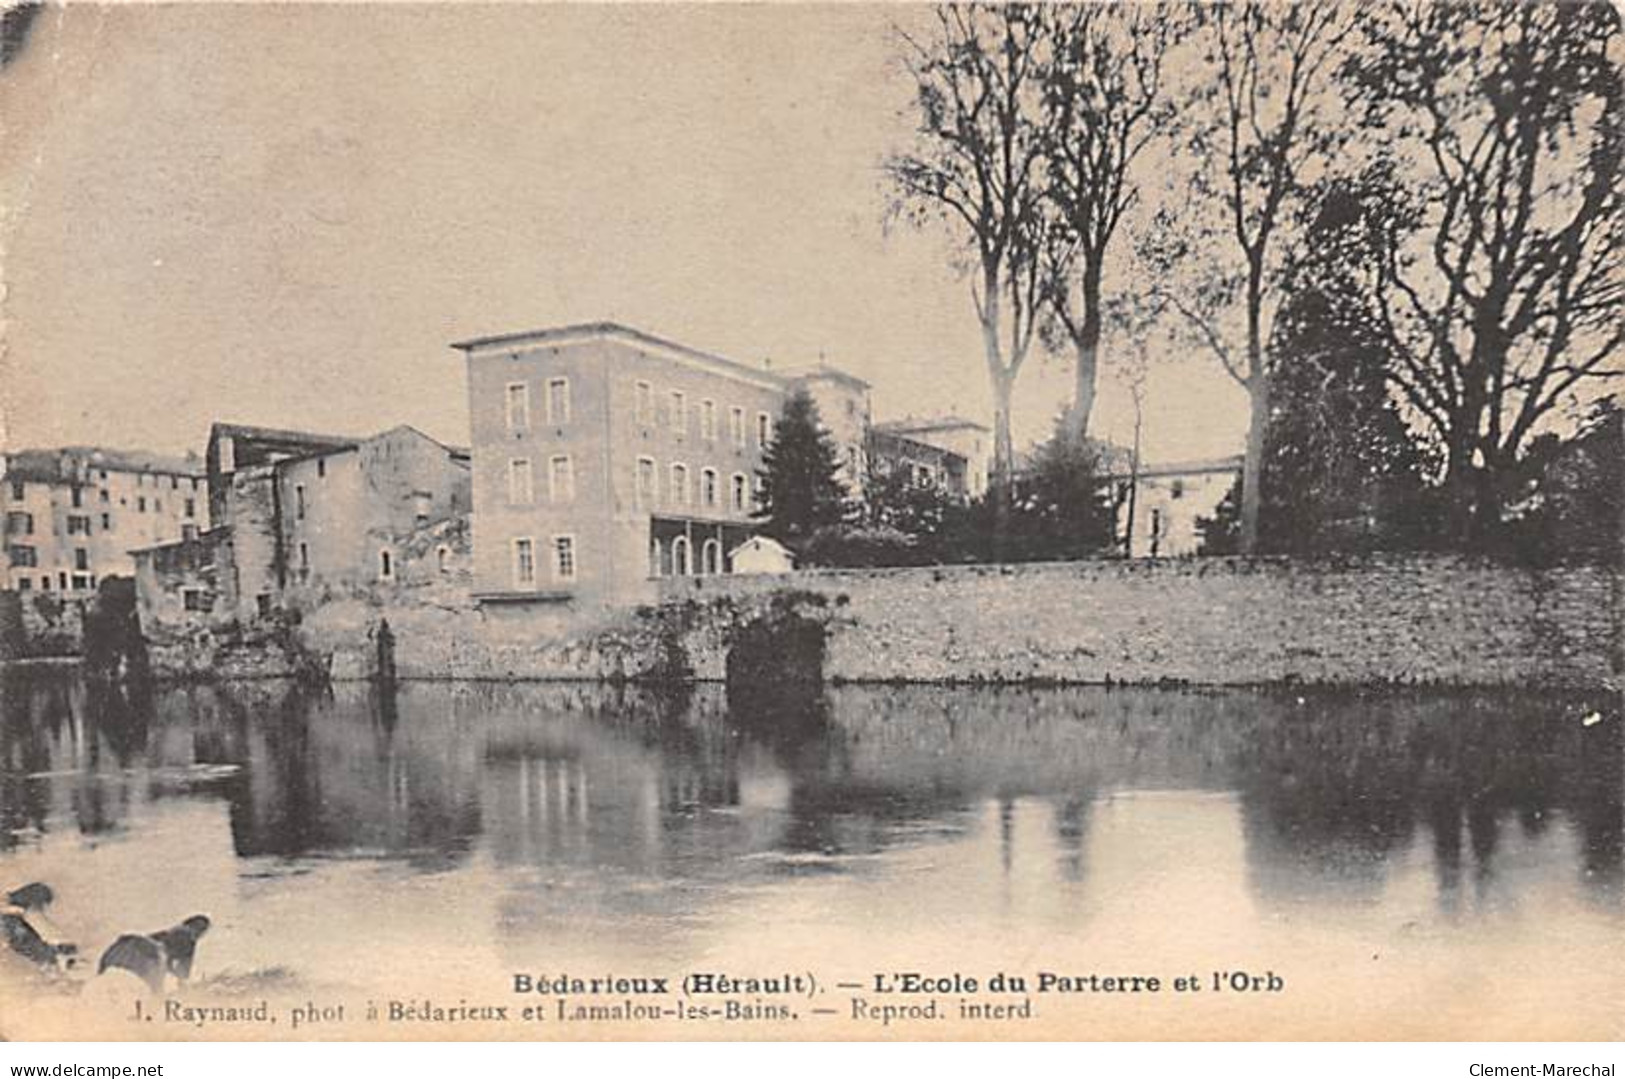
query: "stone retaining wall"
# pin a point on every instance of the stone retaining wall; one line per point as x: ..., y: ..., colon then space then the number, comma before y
x: 1220, y: 621
x: 1216, y: 621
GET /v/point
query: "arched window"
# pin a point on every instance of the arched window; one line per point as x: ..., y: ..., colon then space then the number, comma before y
x: 443, y: 558
x: 681, y: 562
x: 711, y: 557
x: 655, y: 551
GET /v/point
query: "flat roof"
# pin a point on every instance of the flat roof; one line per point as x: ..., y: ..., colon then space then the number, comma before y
x: 586, y: 331
x: 44, y: 465
x: 929, y: 423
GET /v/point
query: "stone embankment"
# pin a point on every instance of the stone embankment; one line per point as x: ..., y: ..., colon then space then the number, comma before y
x: 1213, y: 621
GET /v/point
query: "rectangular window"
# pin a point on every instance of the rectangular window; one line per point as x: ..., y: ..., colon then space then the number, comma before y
x: 678, y: 415
x: 78, y: 496
x: 520, y: 490
x: 678, y: 493
x: 561, y: 479
x: 740, y: 493
x: 78, y: 525
x: 195, y: 599
x: 17, y: 490
x: 299, y: 502
x: 321, y: 473
x: 645, y: 489
x: 25, y: 584
x: 304, y: 560
x: 386, y: 566
x: 107, y: 522
x: 644, y: 402
x: 764, y: 429
x: 103, y: 496
x: 708, y: 487
x: 524, y: 563
x: 174, y: 483
x: 141, y: 504
x: 558, y: 400
x: 518, y: 398
x: 188, y: 532
x: 564, y: 558
x: 191, y: 504
x: 736, y: 426
x: 81, y: 559
x: 83, y: 581
x: 708, y: 420
x: 20, y: 523
x: 23, y: 556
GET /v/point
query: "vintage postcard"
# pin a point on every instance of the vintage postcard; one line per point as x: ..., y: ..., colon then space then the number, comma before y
x: 812, y: 522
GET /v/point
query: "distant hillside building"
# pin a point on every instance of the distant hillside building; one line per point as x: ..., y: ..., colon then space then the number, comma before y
x: 956, y: 436
x: 297, y: 515
x: 74, y: 514
x: 605, y: 457
x: 1168, y: 501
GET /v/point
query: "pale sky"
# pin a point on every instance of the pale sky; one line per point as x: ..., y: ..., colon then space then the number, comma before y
x: 283, y: 215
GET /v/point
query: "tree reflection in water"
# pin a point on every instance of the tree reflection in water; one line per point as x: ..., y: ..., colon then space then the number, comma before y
x: 620, y: 784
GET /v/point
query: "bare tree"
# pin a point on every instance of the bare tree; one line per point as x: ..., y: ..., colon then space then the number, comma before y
x: 1264, y: 121
x: 1103, y: 103
x: 976, y: 167
x: 1502, y: 289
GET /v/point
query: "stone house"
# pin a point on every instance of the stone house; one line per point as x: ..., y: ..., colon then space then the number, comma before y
x: 74, y: 514
x: 302, y: 517
x: 1168, y: 500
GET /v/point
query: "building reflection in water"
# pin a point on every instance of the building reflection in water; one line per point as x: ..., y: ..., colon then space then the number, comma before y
x: 608, y: 807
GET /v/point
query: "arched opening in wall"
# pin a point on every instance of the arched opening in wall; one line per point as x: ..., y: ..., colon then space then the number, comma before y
x: 681, y: 560
x: 711, y: 557
x: 656, y: 551
x: 442, y: 557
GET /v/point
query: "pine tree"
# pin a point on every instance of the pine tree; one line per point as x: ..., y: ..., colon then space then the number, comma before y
x: 802, y: 493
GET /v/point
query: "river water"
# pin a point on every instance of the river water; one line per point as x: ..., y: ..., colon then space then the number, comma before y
x: 1391, y: 865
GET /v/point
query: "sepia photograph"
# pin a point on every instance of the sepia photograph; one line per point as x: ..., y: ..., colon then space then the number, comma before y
x: 1089, y: 521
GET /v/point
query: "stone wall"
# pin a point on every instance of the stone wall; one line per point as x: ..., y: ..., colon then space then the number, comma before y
x: 1211, y: 621
x: 1223, y: 621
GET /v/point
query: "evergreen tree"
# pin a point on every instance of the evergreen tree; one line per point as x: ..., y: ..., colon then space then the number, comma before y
x: 1062, y: 508
x: 1341, y: 470
x: 802, y: 493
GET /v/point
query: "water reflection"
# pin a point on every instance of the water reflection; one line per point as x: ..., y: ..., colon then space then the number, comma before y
x: 608, y: 815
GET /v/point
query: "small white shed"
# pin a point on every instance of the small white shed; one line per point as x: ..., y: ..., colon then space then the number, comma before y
x: 762, y: 554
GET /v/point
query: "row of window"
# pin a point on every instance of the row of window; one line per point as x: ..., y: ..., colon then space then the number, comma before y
x: 78, y: 582
x: 680, y: 493
x: 557, y: 404
x: 19, y: 490
x: 563, y: 560
x: 77, y: 500
x: 677, y: 416
x: 676, y: 559
x: 558, y: 411
x: 561, y: 485
x: 561, y: 480
x: 22, y: 524
x: 386, y: 562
